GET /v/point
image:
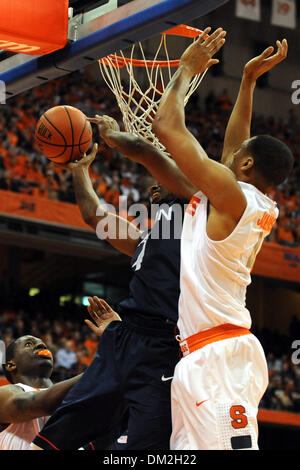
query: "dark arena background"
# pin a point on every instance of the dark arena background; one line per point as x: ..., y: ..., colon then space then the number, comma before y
x: 51, y: 261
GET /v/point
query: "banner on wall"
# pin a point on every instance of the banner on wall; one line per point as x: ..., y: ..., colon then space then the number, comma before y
x: 284, y: 13
x: 248, y: 9
x: 33, y: 207
x: 278, y: 262
x: 273, y: 260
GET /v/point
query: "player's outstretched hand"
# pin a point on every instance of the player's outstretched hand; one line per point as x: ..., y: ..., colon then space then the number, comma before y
x: 107, y: 127
x: 266, y: 61
x: 198, y: 56
x: 102, y: 315
x: 86, y: 160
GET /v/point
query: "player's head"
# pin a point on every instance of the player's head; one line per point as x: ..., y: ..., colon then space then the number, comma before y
x: 159, y: 194
x: 263, y: 161
x: 27, y: 356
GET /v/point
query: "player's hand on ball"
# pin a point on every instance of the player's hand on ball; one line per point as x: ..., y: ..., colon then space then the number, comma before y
x: 84, y: 162
x: 107, y: 127
x: 102, y: 315
x: 265, y: 61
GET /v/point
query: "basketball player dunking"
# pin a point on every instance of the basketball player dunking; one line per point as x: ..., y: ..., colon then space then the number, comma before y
x: 134, y: 366
x: 220, y: 380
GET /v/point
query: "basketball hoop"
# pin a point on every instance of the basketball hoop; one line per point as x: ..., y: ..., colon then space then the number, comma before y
x: 139, y: 106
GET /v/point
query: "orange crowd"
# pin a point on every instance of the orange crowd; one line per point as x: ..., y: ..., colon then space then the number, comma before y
x: 24, y: 170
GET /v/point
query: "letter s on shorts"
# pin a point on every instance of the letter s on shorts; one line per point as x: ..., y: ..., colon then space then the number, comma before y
x: 239, y: 419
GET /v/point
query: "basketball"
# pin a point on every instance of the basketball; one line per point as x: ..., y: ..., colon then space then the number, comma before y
x: 63, y: 134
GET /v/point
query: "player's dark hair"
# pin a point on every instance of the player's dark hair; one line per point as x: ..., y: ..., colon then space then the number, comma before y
x: 9, y: 355
x: 272, y: 158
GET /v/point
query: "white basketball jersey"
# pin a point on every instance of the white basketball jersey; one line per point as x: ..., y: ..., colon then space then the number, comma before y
x: 215, y: 274
x: 18, y: 436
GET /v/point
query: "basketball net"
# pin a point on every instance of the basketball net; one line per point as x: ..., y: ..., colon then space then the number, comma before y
x: 139, y: 106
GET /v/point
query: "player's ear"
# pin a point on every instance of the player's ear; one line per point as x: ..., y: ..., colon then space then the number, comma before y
x: 247, y: 163
x: 10, y: 366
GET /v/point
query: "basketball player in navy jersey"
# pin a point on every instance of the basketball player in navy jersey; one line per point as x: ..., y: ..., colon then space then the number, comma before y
x: 136, y: 357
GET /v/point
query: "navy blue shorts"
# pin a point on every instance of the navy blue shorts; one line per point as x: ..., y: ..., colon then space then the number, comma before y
x: 131, y: 373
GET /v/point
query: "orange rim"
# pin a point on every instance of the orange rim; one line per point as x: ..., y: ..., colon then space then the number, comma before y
x: 184, y: 30
x: 180, y: 30
x: 120, y: 62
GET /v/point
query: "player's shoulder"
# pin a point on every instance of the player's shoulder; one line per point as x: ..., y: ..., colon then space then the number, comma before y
x: 253, y: 192
x: 10, y: 388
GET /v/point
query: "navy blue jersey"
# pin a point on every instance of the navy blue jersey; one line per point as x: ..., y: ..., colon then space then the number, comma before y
x: 154, y: 288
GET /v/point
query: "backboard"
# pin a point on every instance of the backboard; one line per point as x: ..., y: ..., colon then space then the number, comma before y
x: 96, y: 29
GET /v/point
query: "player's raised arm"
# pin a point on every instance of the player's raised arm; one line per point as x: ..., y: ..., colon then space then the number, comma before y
x: 216, y: 181
x: 140, y: 150
x: 238, y: 127
x: 93, y: 213
x: 18, y: 406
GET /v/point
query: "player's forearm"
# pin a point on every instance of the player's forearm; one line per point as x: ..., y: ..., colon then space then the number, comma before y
x: 86, y: 197
x: 156, y: 161
x: 53, y: 396
x: 170, y: 114
x: 169, y: 124
x: 30, y: 405
x: 118, y: 231
x: 239, y: 124
x: 48, y: 400
x: 133, y: 147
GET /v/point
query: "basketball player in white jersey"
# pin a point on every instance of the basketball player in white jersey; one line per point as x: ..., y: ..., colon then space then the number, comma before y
x: 32, y: 397
x: 223, y: 374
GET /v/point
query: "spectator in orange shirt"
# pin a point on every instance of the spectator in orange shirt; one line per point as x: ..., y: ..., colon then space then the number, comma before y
x: 84, y: 358
x: 13, y: 138
x: 224, y: 102
x: 91, y: 343
x: 101, y: 185
x: 112, y: 195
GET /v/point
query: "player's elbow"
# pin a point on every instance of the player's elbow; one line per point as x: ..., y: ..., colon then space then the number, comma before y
x: 89, y: 219
x: 92, y: 215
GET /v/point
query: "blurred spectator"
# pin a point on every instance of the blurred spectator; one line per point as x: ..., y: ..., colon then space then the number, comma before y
x: 66, y: 361
x: 84, y: 358
x: 274, y: 365
x: 91, y: 344
x: 224, y: 102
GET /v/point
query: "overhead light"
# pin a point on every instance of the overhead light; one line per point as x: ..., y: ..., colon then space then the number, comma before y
x: 33, y: 291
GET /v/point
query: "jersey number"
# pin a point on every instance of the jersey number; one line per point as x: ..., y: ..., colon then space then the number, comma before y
x: 138, y: 263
